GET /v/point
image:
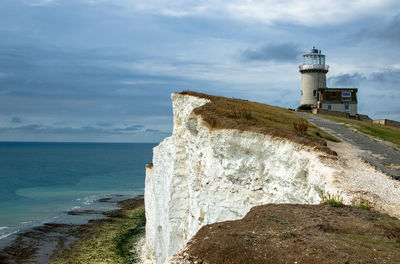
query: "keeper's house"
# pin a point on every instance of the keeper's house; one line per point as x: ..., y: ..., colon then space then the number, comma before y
x: 338, y: 99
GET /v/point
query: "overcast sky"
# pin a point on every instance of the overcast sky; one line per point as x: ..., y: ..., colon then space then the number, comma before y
x: 103, y: 70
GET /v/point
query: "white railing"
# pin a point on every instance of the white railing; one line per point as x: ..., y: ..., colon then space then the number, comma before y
x: 314, y: 67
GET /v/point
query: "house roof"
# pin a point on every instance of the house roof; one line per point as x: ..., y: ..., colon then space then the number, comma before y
x: 338, y: 89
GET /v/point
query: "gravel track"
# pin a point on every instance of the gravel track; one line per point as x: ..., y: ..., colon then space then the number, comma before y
x: 380, y: 156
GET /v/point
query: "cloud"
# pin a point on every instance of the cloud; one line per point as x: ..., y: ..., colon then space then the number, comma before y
x: 153, y: 130
x: 383, y: 31
x: 347, y: 80
x: 388, y: 79
x: 138, y: 82
x: 309, y: 13
x: 104, y: 124
x: 391, y: 76
x: 42, y: 2
x: 87, y: 129
x: 129, y: 128
x: 283, y: 52
x: 16, y: 120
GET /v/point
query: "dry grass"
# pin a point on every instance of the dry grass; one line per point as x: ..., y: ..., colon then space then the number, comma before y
x: 300, y: 127
x: 243, y: 115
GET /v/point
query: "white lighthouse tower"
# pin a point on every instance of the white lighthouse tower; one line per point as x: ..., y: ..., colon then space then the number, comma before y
x: 313, y: 74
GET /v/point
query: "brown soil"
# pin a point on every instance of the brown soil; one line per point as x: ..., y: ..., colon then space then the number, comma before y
x: 243, y: 115
x: 285, y: 233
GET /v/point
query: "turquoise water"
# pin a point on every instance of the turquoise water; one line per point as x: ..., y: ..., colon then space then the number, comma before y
x: 40, y: 182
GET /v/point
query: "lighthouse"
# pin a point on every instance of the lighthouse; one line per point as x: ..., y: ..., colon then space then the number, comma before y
x: 313, y: 75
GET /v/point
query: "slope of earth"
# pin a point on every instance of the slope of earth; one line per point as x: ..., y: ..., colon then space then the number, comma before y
x: 286, y: 233
x: 243, y: 115
x: 380, y: 156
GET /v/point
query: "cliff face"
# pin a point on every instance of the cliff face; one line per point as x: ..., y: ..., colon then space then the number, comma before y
x: 201, y: 176
x: 204, y: 174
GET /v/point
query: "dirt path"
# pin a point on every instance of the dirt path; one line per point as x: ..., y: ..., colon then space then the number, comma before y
x: 377, y: 154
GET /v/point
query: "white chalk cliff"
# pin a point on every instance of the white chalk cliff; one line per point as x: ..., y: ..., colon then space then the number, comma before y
x: 202, y: 175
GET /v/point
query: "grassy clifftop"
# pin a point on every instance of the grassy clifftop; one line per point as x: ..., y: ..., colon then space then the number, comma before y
x: 243, y: 115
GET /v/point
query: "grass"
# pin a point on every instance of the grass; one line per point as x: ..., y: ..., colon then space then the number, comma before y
x: 362, y: 204
x: 300, y: 127
x: 332, y: 200
x: 387, y: 133
x: 371, y: 242
x: 243, y: 115
x: 108, y: 240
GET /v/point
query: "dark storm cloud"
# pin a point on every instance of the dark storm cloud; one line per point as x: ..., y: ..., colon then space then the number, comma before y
x: 387, y: 76
x: 387, y: 79
x: 153, y: 130
x: 104, y: 124
x: 346, y: 80
x: 16, y: 120
x: 283, y: 52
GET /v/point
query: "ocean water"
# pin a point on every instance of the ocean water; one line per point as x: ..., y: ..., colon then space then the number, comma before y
x: 40, y: 182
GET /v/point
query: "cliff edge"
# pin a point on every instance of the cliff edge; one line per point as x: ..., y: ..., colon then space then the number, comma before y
x: 226, y: 156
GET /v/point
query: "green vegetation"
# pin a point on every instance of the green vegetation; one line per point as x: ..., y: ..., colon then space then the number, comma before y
x: 304, y: 107
x: 387, y: 133
x: 362, y: 204
x: 332, y: 200
x: 229, y: 113
x: 365, y: 206
x: 108, y: 240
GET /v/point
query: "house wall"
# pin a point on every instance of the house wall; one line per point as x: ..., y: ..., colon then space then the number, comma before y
x: 387, y: 122
x: 341, y: 108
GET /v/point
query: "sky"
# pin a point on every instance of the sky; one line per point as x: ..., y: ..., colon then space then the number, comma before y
x: 104, y: 70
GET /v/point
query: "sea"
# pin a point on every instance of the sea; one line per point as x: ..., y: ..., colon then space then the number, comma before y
x: 41, y: 182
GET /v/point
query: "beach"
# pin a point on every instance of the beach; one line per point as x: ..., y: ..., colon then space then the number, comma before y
x: 107, y: 237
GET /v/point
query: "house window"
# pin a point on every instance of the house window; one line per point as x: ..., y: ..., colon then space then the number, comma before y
x: 329, y: 107
x: 315, y: 93
x: 346, y: 107
x: 346, y: 96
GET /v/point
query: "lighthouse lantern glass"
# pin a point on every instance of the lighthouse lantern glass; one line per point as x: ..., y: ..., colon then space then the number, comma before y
x: 314, y: 59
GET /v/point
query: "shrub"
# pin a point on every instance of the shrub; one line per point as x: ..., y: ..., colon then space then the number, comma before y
x: 362, y: 204
x: 332, y: 200
x: 304, y: 107
x: 300, y: 127
x: 241, y: 112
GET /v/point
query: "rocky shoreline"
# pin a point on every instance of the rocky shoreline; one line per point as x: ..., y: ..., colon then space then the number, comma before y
x: 108, y: 236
